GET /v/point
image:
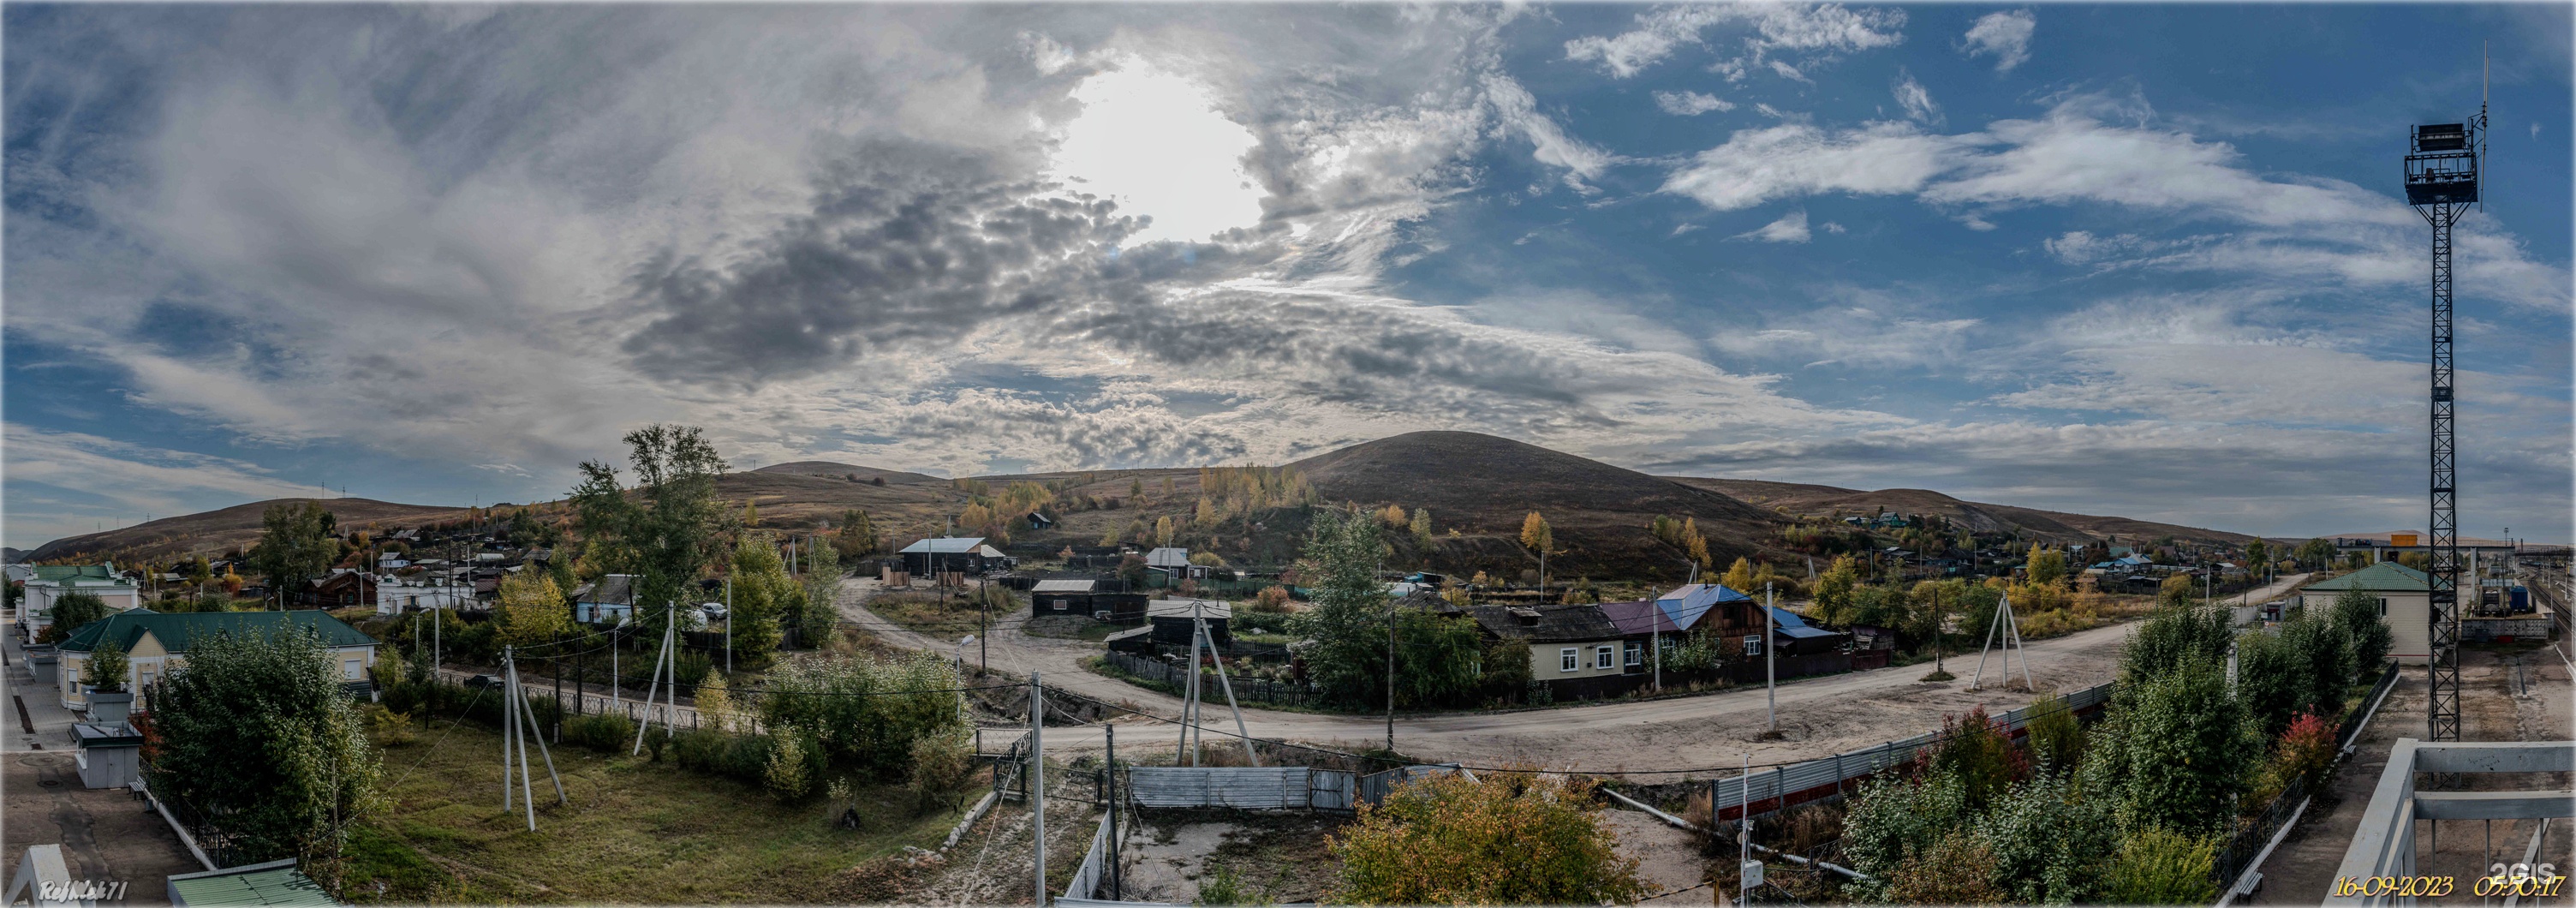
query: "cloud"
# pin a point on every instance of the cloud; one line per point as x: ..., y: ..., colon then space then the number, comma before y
x: 1690, y: 103
x: 1550, y: 145
x: 1814, y: 29
x: 1853, y: 336
x: 2004, y: 36
x: 1790, y: 228
x: 1759, y: 165
x: 1917, y: 102
x: 120, y: 482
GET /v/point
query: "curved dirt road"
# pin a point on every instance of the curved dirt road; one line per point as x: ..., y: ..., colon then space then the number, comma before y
x: 1818, y: 716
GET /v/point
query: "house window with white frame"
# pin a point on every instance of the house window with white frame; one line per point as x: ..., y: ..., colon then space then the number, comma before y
x: 1636, y: 653
x: 1566, y: 660
x: 1602, y: 656
x: 1753, y: 645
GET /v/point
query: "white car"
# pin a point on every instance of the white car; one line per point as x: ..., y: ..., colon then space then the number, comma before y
x: 715, y: 611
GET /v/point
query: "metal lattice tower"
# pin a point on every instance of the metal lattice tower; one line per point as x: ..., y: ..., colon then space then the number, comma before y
x: 2441, y: 183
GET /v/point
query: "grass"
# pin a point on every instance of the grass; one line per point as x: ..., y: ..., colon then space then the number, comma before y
x: 635, y: 832
x: 947, y: 619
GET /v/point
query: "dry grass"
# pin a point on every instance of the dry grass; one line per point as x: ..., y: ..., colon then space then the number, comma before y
x: 947, y: 619
x: 635, y: 832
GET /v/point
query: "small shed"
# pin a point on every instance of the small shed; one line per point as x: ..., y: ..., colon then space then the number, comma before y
x: 951, y: 554
x: 1171, y: 620
x: 109, y: 754
x: 1062, y: 597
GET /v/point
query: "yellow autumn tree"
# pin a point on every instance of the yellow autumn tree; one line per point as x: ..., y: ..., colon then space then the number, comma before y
x: 532, y: 609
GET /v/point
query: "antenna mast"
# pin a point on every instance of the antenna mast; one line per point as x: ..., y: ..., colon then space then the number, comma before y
x: 2441, y: 184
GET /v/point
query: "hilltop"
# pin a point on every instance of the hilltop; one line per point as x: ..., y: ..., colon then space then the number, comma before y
x: 215, y: 532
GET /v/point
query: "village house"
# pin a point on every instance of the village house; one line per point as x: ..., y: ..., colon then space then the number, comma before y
x: 609, y: 600
x: 156, y: 644
x: 397, y: 595
x: 1083, y: 597
x: 952, y: 555
x: 2405, y: 598
x: 1171, y: 619
x: 44, y: 583
x: 341, y: 589
x: 1574, y: 649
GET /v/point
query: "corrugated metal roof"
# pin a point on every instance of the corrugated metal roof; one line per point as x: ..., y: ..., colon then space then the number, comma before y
x: 177, y: 632
x: 948, y: 545
x: 276, y: 883
x: 1064, y: 586
x: 1168, y: 557
x: 1181, y: 608
x: 1685, y: 605
x: 1556, y: 623
x: 2386, y: 576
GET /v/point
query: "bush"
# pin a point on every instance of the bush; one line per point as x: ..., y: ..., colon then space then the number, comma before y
x: 2161, y: 867
x: 2171, y: 636
x: 2189, y: 749
x: 1978, y: 752
x: 2356, y: 618
x: 656, y: 737
x: 865, y: 713
x: 941, y: 764
x: 2329, y: 658
x: 2056, y: 738
x: 786, y: 777
x: 2049, y: 847
x: 1498, y: 839
x: 389, y: 728
x: 1958, y: 869
x: 2272, y: 679
x: 603, y: 732
x: 691, y: 668
x: 1893, y: 819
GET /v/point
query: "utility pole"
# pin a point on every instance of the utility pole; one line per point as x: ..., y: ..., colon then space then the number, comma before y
x: 728, y: 624
x: 1110, y: 772
x: 1770, y: 673
x: 1036, y: 772
x: 1390, y: 652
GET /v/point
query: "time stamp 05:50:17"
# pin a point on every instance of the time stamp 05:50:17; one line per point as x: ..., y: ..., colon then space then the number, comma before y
x: 2525, y: 880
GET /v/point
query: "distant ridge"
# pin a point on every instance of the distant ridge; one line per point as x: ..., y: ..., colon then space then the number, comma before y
x: 2053, y: 526
x: 833, y: 470
x: 224, y: 528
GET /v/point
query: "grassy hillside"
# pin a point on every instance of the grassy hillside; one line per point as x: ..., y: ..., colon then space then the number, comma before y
x: 214, y: 532
x: 1826, y: 501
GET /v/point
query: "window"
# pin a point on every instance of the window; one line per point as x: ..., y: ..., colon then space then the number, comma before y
x: 1566, y: 660
x: 1753, y: 645
x: 349, y: 671
x: 1601, y: 656
x: 1636, y: 653
x: 2383, y: 606
x: 1061, y: 603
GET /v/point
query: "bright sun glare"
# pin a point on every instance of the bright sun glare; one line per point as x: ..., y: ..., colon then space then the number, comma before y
x: 1154, y: 142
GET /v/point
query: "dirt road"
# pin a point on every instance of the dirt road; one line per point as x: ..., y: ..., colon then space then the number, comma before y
x: 1817, y: 716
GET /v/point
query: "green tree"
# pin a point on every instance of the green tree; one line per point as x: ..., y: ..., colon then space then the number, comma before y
x: 858, y: 535
x: 295, y: 546
x: 2050, y: 847
x: 2056, y: 739
x: 2047, y: 566
x: 2191, y: 749
x: 1422, y: 526
x: 2173, y: 635
x: 668, y: 530
x: 1894, y: 818
x: 532, y: 610
x: 2162, y: 867
x: 1497, y: 839
x: 256, y: 734
x: 2256, y: 553
x: 2273, y: 679
x: 820, y: 607
x: 1833, y: 593
x: 2356, y: 618
x: 72, y: 611
x: 2315, y: 554
x: 106, y: 669
x: 763, y: 594
x: 1346, y: 627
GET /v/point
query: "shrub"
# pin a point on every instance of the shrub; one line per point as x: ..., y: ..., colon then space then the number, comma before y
x: 941, y: 765
x: 1978, y: 752
x: 2329, y: 658
x: 2056, y: 739
x: 2272, y: 679
x: 656, y: 737
x: 1270, y: 599
x: 1895, y: 818
x: 2171, y: 636
x: 2048, y: 846
x: 603, y: 732
x: 389, y: 728
x: 692, y: 668
x: 2356, y: 616
x: 106, y: 669
x: 865, y: 713
x: 1958, y: 869
x: 256, y: 734
x: 1499, y: 839
x: 2161, y: 867
x: 2189, y: 749
x: 786, y: 777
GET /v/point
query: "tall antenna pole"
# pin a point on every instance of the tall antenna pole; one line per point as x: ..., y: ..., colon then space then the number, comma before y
x: 2441, y: 184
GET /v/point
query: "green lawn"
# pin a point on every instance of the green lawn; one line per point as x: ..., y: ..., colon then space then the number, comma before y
x: 635, y: 832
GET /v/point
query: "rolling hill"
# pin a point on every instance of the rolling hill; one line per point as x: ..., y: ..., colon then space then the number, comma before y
x: 1478, y: 488
x: 2052, y: 526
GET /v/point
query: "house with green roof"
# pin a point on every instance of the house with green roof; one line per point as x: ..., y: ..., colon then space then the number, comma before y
x: 2405, y: 603
x: 45, y: 582
x: 157, y: 644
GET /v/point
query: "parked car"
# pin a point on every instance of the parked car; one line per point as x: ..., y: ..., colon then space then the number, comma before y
x: 715, y: 611
x: 483, y: 681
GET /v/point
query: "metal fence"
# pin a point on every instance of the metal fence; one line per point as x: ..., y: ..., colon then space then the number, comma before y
x: 1781, y: 787
x: 1251, y: 690
x: 2245, y: 843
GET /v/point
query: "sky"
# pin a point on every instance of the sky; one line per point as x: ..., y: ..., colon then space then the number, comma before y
x: 2135, y: 259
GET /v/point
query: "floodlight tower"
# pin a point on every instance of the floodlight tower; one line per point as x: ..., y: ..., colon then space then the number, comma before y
x: 2441, y: 184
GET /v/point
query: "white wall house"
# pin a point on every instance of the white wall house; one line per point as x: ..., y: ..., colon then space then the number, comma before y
x: 47, y: 582
x: 2405, y: 603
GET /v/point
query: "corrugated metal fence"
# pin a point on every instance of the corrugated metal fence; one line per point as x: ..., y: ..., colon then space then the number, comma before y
x: 1798, y: 783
